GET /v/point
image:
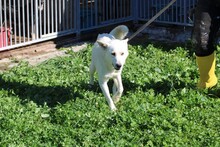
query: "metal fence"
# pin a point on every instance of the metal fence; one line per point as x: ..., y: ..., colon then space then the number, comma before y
x: 24, y: 22
x: 180, y: 13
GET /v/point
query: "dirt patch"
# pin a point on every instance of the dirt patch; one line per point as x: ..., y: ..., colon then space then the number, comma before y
x: 35, y: 54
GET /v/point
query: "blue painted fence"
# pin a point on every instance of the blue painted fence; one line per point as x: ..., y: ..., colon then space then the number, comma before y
x: 24, y: 22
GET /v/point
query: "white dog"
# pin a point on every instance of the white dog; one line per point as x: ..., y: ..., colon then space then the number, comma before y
x: 108, y: 58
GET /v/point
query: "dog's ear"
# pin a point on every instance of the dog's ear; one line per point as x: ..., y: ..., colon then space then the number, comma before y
x: 102, y: 43
x: 126, y: 40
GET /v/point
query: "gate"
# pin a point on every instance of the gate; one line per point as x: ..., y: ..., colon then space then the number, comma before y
x: 24, y: 22
x: 31, y: 21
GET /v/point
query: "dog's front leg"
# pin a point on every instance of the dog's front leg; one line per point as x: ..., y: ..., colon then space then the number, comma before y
x: 105, y: 90
x: 115, y: 86
x: 120, y: 89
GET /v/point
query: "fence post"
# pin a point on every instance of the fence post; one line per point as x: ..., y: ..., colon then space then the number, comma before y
x: 77, y: 17
x: 134, y: 11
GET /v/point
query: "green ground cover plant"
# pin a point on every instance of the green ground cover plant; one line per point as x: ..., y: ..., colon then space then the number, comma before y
x: 51, y: 104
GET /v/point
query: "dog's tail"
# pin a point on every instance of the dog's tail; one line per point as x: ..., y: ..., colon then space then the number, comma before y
x: 120, y: 32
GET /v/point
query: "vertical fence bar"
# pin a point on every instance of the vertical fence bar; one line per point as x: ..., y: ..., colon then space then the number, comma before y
x: 110, y: 12
x: 56, y: 16
x: 123, y: 8
x: 44, y: 17
x: 52, y: 16
x: 15, y: 28
x: 152, y: 12
x: 63, y: 13
x: 148, y: 10
x: 81, y: 13
x: 119, y: 5
x: 163, y: 16
x: 107, y: 10
x: 71, y: 13
x: 40, y: 17
x: 184, y: 12
x: 188, y: 17
x: 23, y: 19
x: 5, y: 26
x: 28, y: 18
x: 141, y: 9
x: 66, y: 15
x: 114, y: 9
x: 194, y: 5
x: 60, y: 10
x: 86, y: 13
x: 1, y: 24
x: 77, y: 18
x: 103, y: 10
x: 36, y: 19
x: 118, y: 9
x: 91, y: 11
x: 48, y: 16
x: 32, y: 21
x: 96, y: 12
x: 129, y: 10
x: 19, y: 21
x: 176, y: 12
x: 172, y: 13
x: 10, y: 21
x: 123, y: 5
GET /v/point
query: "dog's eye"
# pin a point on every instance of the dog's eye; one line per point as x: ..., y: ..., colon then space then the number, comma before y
x: 113, y: 54
x: 122, y: 53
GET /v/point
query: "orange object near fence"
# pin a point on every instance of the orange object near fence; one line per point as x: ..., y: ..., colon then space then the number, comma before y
x: 4, y: 36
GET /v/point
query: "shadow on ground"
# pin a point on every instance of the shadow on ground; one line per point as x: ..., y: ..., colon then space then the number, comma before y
x: 163, y: 87
x: 40, y: 94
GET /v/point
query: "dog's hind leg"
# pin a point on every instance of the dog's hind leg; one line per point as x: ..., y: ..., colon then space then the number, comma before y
x: 115, y: 86
x: 105, y: 91
x: 117, y: 95
x: 91, y: 71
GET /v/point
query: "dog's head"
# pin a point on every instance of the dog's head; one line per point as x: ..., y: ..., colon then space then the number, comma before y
x: 116, y: 51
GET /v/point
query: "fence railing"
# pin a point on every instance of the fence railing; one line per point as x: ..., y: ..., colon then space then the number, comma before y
x: 180, y: 13
x: 24, y: 22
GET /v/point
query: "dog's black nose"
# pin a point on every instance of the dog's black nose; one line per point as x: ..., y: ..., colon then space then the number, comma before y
x: 118, y: 66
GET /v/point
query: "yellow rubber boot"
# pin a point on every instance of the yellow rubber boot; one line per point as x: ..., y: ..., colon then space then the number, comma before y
x: 206, y: 66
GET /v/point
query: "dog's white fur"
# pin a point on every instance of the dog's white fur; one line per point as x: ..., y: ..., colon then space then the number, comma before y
x: 108, y: 58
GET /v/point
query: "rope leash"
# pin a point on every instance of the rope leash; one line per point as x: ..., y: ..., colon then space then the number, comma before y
x: 151, y: 20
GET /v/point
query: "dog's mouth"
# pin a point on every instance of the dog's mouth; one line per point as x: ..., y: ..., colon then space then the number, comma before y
x: 117, y: 66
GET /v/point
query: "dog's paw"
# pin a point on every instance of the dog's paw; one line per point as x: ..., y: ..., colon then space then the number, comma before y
x: 116, y: 99
x: 114, y: 109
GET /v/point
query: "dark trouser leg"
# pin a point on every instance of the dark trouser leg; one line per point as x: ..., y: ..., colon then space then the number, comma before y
x: 205, y: 31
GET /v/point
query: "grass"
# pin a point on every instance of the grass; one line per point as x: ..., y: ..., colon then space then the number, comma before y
x: 51, y: 104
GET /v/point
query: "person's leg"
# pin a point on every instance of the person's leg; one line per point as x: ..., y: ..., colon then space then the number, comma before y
x: 206, y: 65
x: 205, y: 31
